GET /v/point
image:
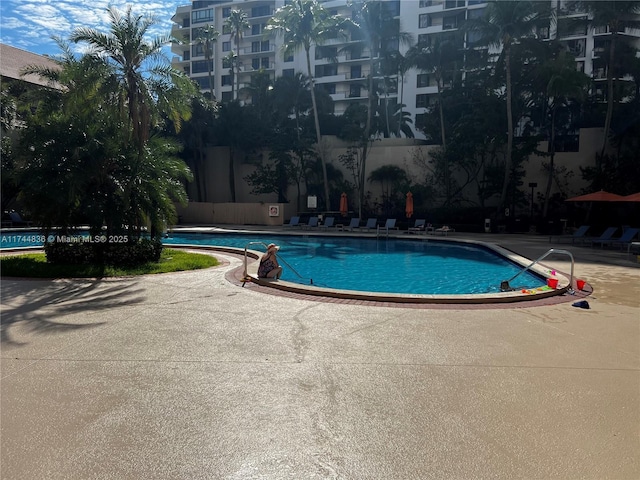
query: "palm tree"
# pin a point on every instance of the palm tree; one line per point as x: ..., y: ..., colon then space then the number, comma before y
x: 207, y: 36
x: 615, y: 16
x: 304, y: 23
x: 438, y: 58
x: 502, y: 26
x: 146, y: 87
x: 378, y: 29
x: 237, y: 23
x: 563, y: 85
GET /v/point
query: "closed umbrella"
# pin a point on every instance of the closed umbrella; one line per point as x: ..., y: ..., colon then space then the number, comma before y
x: 409, y: 208
x: 601, y: 196
x: 344, y: 206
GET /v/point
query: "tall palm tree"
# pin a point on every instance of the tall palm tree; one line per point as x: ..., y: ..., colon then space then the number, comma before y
x: 502, y: 26
x: 615, y: 16
x: 147, y: 87
x: 207, y: 36
x: 379, y: 29
x: 304, y: 23
x: 237, y: 23
x: 563, y: 85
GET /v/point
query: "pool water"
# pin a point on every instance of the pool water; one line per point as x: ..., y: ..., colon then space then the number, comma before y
x: 381, y: 265
x: 400, y: 266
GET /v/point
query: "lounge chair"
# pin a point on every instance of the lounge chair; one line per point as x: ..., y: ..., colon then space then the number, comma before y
x: 354, y: 223
x: 328, y: 223
x: 390, y: 224
x: 293, y: 222
x: 605, y: 237
x: 16, y: 220
x: 372, y: 224
x: 579, y: 234
x: 444, y: 230
x: 418, y: 226
x: 624, y: 240
x: 312, y: 223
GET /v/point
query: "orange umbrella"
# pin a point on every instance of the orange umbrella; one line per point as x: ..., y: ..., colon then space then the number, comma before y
x: 409, y: 208
x: 344, y: 207
x: 600, y: 196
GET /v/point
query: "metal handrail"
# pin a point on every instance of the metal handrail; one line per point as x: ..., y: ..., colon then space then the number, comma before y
x: 504, y: 285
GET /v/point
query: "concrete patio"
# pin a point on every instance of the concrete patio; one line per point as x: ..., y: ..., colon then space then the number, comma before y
x: 191, y: 376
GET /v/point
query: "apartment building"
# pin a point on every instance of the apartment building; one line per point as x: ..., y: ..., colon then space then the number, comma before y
x: 344, y: 76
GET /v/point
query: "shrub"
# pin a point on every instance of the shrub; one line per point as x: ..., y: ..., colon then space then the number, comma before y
x: 134, y: 252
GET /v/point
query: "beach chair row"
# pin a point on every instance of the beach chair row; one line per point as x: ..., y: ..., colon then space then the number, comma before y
x: 372, y: 224
x: 606, y: 239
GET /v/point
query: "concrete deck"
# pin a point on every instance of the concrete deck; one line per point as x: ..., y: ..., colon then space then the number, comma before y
x: 190, y: 376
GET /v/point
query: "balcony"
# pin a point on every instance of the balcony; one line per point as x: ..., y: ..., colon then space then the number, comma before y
x: 250, y: 50
x: 330, y: 78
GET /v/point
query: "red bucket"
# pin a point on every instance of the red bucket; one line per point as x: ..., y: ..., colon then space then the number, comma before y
x: 552, y: 282
x: 580, y: 284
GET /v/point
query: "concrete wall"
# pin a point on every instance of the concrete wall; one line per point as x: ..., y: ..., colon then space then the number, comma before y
x: 272, y: 214
x: 400, y: 152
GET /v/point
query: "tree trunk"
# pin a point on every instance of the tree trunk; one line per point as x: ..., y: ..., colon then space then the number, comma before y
x: 610, y: 101
x: 508, y: 161
x: 552, y: 153
x: 232, y: 174
x: 316, y: 120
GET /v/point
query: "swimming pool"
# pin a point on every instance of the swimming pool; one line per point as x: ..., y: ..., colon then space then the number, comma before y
x: 389, y: 265
x: 385, y: 265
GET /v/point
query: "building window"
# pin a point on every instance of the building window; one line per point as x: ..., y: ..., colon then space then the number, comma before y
x: 197, y: 50
x: 255, y: 47
x: 288, y: 58
x: 227, y: 80
x: 226, y: 29
x: 226, y: 46
x: 261, y: 11
x: 200, y: 16
x: 330, y: 88
x: 423, y: 80
x: 255, y: 63
x: 452, y: 21
x: 288, y: 72
x: 326, y: 70
x: 227, y: 96
x: 425, y: 3
x: 577, y: 47
x: 421, y: 121
x: 186, y: 55
x: 356, y: 71
x: 453, y: 4
x: 355, y: 91
x: 201, y: 66
x: 326, y: 52
x: 255, y: 29
x: 264, y: 46
x: 422, y: 100
x: 203, y: 82
x: 424, y: 20
x: 226, y: 12
x: 264, y: 62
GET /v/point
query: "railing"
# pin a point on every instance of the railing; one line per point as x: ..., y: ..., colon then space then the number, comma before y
x: 505, y: 287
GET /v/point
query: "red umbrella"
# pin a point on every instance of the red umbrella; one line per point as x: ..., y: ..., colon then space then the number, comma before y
x: 409, y: 208
x: 344, y: 206
x: 600, y: 196
x: 634, y: 197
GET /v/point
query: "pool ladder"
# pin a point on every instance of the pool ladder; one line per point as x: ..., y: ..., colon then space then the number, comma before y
x: 505, y: 287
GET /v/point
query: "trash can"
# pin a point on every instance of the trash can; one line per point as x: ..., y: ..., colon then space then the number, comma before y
x: 487, y: 225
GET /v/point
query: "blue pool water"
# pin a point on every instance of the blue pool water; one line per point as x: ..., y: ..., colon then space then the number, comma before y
x: 370, y: 264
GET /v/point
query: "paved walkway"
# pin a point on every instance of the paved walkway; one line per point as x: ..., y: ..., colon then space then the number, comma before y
x: 190, y: 376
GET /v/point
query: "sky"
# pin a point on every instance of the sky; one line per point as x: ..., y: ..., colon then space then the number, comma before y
x: 30, y: 24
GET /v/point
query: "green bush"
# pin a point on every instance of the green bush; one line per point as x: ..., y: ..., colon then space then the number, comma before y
x: 130, y: 253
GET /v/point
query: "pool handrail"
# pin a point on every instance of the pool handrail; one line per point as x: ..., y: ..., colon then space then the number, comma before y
x: 504, y: 285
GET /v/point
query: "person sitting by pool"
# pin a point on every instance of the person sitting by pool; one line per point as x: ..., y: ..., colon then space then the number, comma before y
x: 269, y: 267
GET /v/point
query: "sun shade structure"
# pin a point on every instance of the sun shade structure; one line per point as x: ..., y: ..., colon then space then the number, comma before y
x: 601, y: 196
x: 409, y: 208
x: 634, y: 197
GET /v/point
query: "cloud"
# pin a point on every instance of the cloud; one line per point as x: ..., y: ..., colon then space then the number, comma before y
x: 32, y: 23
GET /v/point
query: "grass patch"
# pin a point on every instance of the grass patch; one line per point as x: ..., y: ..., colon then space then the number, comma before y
x: 34, y: 265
